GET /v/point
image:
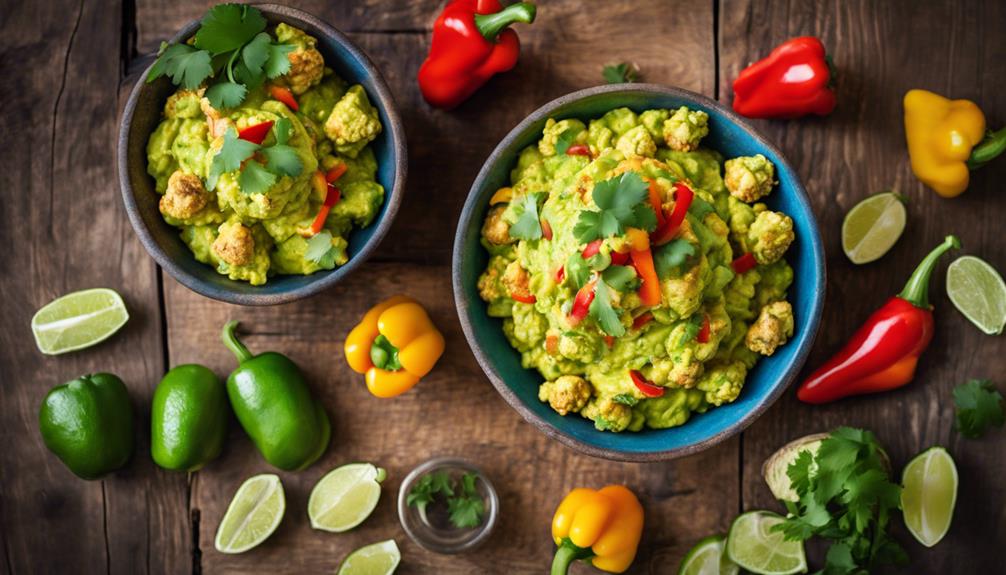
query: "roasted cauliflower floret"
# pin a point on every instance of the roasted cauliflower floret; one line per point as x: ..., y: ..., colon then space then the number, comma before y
x: 608, y: 414
x: 495, y: 229
x: 567, y: 394
x: 723, y: 382
x: 770, y: 236
x: 306, y: 63
x: 685, y: 128
x: 184, y: 197
x: 353, y: 122
x: 773, y: 328
x: 636, y: 142
x: 490, y: 285
x: 235, y: 244
x: 550, y: 135
x: 516, y: 281
x: 217, y: 122
x: 749, y: 178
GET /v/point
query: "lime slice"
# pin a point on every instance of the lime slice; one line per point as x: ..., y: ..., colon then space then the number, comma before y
x: 78, y: 320
x: 872, y: 227
x: 753, y: 545
x: 978, y: 292
x: 345, y: 497
x: 708, y: 558
x: 929, y: 494
x: 252, y: 516
x: 374, y: 559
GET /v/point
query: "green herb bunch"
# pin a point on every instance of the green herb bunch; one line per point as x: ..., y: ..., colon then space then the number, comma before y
x: 465, y: 505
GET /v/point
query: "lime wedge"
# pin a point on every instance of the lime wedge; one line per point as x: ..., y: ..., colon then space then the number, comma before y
x: 928, y: 495
x: 374, y: 559
x: 78, y: 320
x: 345, y: 497
x: 872, y: 227
x: 753, y: 545
x: 978, y: 292
x: 252, y: 516
x: 708, y: 558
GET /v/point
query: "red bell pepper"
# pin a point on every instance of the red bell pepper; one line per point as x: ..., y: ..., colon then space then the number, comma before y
x: 647, y: 388
x: 331, y: 198
x: 560, y: 274
x: 642, y: 320
x: 655, y: 201
x: 523, y: 298
x: 703, y: 335
x: 471, y: 43
x: 744, y: 264
x: 582, y: 301
x: 284, y: 95
x: 336, y: 172
x: 256, y: 133
x: 883, y: 353
x: 793, y: 81
x: 591, y: 249
x: 683, y: 196
x: 619, y: 258
x: 578, y: 150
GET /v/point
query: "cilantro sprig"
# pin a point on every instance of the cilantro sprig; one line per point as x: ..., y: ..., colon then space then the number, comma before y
x: 620, y: 73
x: 621, y: 203
x: 320, y: 249
x: 528, y: 224
x: 671, y: 255
x: 231, y: 47
x: 236, y: 154
x: 465, y: 505
x: 978, y: 406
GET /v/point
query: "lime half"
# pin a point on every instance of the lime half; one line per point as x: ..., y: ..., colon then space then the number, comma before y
x: 78, y: 320
x: 753, y: 545
x: 345, y: 497
x: 978, y: 292
x: 253, y: 515
x: 928, y: 495
x: 708, y: 558
x: 872, y: 227
x: 374, y: 559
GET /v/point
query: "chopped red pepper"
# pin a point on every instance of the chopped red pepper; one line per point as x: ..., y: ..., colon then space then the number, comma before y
x: 471, y: 43
x: 793, y: 81
x: 284, y: 95
x: 582, y: 301
x: 647, y: 388
x: 609, y: 341
x: 642, y: 320
x: 331, y: 198
x: 546, y: 229
x: 619, y: 258
x: 591, y: 249
x: 578, y: 150
x: 523, y: 298
x: 703, y: 335
x: 655, y: 201
x: 683, y: 196
x: 336, y: 172
x: 560, y: 274
x: 744, y: 264
x: 642, y: 260
x: 256, y: 133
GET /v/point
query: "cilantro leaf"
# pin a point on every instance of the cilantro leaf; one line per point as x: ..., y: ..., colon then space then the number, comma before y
x: 577, y: 270
x: 978, y: 406
x: 692, y: 327
x: 619, y: 278
x: 428, y: 486
x: 620, y: 73
x: 318, y: 247
x: 255, y: 179
x: 185, y: 65
x: 564, y: 141
x: 225, y: 95
x: 278, y: 63
x: 625, y: 399
x: 227, y: 27
x: 671, y: 255
x: 255, y: 53
x: 232, y: 153
x: 839, y: 561
x: 619, y: 200
x: 602, y: 311
x: 283, y: 160
x: 467, y: 509
x: 528, y: 224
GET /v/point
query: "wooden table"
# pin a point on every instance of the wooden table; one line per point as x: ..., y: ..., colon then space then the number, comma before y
x: 67, y: 67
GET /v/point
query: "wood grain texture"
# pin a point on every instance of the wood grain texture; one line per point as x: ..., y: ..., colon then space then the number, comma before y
x: 881, y: 51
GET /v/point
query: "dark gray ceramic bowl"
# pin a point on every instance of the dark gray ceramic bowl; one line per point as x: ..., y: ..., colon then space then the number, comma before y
x: 519, y: 387
x: 162, y: 242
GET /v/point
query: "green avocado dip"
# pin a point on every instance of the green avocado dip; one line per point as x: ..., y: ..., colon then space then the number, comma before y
x: 636, y: 270
x: 284, y: 204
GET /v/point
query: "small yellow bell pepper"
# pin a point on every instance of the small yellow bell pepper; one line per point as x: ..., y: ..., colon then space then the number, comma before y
x: 946, y: 139
x: 602, y: 526
x: 394, y: 346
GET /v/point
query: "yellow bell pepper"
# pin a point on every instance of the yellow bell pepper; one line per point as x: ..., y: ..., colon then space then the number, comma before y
x: 602, y: 526
x: 394, y: 346
x: 946, y: 139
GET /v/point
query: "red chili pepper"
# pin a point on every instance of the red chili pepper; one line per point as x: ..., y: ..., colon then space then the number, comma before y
x: 578, y: 150
x: 582, y: 301
x: 546, y: 229
x: 331, y: 198
x: 744, y: 264
x: 471, y: 43
x: 284, y: 95
x: 682, y: 201
x: 882, y: 354
x: 560, y: 274
x: 642, y: 320
x: 793, y: 81
x: 703, y: 335
x: 647, y: 388
x: 523, y: 298
x: 336, y: 172
x: 256, y: 133
x: 591, y: 249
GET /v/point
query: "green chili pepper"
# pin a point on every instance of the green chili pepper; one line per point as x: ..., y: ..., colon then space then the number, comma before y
x: 275, y: 406
x: 88, y: 424
x: 188, y: 418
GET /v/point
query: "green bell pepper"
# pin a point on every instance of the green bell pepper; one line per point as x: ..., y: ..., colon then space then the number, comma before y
x: 88, y: 424
x: 188, y: 418
x: 275, y: 407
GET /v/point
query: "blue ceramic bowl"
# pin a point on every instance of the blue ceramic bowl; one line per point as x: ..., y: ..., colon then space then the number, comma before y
x: 519, y: 386
x: 162, y: 242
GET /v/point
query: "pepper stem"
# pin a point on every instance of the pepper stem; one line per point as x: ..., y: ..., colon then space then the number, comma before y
x: 490, y: 25
x: 991, y: 146
x: 232, y: 342
x: 565, y: 555
x: 916, y: 291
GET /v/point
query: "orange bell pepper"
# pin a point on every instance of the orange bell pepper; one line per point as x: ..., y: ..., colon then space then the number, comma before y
x: 642, y: 260
x: 602, y: 526
x: 394, y: 346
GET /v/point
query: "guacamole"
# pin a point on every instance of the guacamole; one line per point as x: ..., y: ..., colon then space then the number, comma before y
x: 635, y: 270
x: 273, y: 212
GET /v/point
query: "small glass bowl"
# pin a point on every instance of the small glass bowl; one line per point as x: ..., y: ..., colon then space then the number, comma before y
x: 440, y: 536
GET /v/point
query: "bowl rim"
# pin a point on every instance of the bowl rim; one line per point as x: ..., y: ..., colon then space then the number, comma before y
x: 468, y: 212
x: 393, y: 198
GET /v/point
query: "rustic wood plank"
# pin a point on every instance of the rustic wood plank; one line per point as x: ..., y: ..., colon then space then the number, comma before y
x: 61, y: 213
x: 881, y: 51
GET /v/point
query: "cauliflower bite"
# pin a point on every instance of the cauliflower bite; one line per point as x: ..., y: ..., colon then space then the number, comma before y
x: 516, y: 281
x: 685, y: 128
x: 608, y: 414
x: 723, y: 382
x: 749, y: 178
x: 235, y: 245
x: 770, y: 236
x: 495, y: 229
x: 306, y: 63
x: 773, y: 328
x: 636, y: 142
x: 216, y: 121
x: 554, y: 129
x: 184, y: 197
x: 353, y: 122
x: 567, y: 394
